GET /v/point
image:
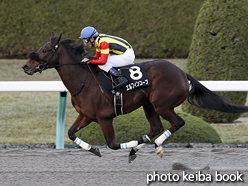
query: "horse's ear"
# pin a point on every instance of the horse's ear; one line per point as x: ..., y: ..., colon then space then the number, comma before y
x: 59, y: 37
x: 52, y: 36
x: 56, y: 39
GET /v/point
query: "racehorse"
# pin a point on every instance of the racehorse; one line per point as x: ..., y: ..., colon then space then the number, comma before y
x: 170, y: 86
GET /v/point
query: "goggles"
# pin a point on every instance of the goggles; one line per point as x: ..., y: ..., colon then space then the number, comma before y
x: 86, y: 41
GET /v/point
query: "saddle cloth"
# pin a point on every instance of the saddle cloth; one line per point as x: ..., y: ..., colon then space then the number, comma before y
x: 135, y: 74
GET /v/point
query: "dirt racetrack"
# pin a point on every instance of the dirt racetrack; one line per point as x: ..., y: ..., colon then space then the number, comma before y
x: 76, y: 167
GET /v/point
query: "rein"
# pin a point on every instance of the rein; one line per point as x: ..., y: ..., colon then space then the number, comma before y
x: 60, y: 65
x: 81, y: 86
x: 41, y: 67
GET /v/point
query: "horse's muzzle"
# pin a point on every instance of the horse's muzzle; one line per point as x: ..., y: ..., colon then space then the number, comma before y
x: 28, y: 70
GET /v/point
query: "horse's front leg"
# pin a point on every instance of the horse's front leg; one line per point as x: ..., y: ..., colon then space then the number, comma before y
x: 80, y: 123
x: 132, y: 155
x: 156, y: 128
x: 109, y: 134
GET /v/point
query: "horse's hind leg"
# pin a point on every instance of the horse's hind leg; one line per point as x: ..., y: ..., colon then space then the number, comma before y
x: 156, y: 127
x: 176, y: 123
x: 108, y: 131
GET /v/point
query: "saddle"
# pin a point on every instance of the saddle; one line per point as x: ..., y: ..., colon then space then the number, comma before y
x: 136, y: 76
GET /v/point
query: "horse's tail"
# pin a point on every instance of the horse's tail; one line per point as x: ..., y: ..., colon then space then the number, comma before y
x: 202, y: 97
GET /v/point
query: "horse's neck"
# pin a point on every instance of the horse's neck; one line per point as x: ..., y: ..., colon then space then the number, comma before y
x: 71, y: 75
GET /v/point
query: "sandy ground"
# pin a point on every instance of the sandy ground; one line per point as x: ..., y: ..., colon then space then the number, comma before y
x: 178, y: 166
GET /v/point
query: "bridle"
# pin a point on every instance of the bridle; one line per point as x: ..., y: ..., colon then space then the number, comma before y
x: 41, y: 66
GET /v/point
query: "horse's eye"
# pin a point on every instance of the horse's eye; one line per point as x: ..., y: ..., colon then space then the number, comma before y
x: 44, y: 51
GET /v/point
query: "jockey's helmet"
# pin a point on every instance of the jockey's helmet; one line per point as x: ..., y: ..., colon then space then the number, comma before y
x: 88, y: 32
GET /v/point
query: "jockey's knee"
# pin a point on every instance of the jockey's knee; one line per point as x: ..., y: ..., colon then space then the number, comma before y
x: 114, y: 146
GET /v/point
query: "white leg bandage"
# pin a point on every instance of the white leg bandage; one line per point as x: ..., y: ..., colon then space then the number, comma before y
x: 82, y: 144
x: 162, y: 138
x: 138, y: 147
x: 129, y: 144
x: 146, y: 139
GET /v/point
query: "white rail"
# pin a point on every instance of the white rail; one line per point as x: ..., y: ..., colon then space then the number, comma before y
x: 226, y: 85
x: 32, y: 86
x: 58, y: 86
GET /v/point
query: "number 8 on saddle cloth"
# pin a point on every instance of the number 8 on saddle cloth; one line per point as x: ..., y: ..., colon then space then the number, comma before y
x: 135, y: 74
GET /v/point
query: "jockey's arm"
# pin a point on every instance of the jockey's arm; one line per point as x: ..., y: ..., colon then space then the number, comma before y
x: 102, y: 54
x: 97, y: 55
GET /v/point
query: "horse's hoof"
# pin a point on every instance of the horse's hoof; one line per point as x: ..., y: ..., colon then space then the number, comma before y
x: 95, y: 151
x: 131, y: 158
x: 132, y: 155
x: 159, y: 151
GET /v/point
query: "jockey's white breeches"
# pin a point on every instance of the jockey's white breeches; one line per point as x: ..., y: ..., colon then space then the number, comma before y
x: 124, y: 59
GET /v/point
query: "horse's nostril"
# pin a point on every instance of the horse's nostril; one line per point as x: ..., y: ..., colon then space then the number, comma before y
x: 24, y: 67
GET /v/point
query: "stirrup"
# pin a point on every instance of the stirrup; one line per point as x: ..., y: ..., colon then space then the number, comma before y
x: 120, y: 84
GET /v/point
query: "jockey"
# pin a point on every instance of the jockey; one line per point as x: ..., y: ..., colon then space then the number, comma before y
x: 111, y: 51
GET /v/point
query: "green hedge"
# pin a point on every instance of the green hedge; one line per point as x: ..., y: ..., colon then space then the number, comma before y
x: 155, y: 28
x: 132, y: 126
x: 219, y: 51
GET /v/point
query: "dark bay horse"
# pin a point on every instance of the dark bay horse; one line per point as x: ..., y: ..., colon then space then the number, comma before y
x: 168, y: 89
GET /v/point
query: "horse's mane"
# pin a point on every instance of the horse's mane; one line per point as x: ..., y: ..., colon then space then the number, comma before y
x: 77, y: 51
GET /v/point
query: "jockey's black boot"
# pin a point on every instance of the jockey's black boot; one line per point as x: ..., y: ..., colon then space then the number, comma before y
x: 121, y: 80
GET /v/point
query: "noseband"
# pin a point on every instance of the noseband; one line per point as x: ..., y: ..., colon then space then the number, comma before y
x: 33, y: 55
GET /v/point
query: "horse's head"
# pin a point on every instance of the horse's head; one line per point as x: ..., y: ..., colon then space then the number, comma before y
x: 46, y: 55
